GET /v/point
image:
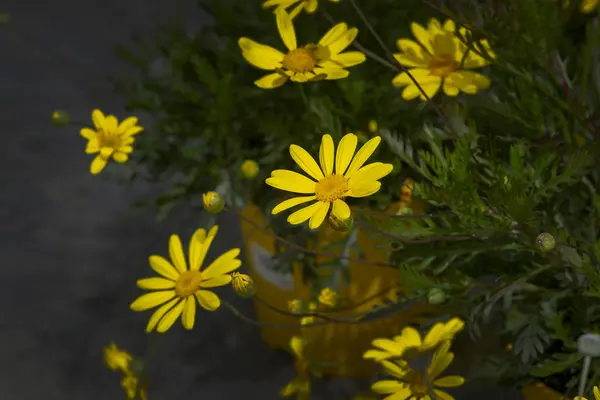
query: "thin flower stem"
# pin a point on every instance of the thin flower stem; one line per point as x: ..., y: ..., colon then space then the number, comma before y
x: 429, y: 386
x: 304, y: 249
x: 360, y: 210
x: 584, y: 375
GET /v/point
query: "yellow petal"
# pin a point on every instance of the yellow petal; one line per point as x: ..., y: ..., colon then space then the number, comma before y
x: 163, y: 267
x: 93, y: 146
x: 412, y: 54
x: 333, y: 33
x: 125, y: 149
x: 348, y: 59
x: 341, y: 210
x: 306, y: 162
x: 410, y: 337
x: 412, y: 92
x: 127, y: 124
x: 388, y: 386
x: 170, y: 317
x: 311, y: 6
x: 286, y: 29
x: 422, y: 36
x: 421, y: 75
x: 134, y: 130
x: 291, y: 388
x: 372, y: 172
x: 297, y: 346
x: 442, y: 395
x: 345, y: 151
x: 376, y: 355
x: 332, y: 73
x: 176, y: 253
x: 445, y: 46
x: 98, y: 119
x: 88, y: 133
x: 468, y: 81
x: 271, y: 81
x: 155, y: 283
x: 208, y: 300
x: 221, y: 280
x: 449, y: 89
x: 302, y: 77
x: 106, y: 152
x: 394, y: 369
x: 260, y: 55
x: 224, y: 264
x: 319, y: 216
x: 199, y: 245
x: 364, y: 189
x: 120, y: 157
x: 596, y: 393
x: 439, y: 365
x: 342, y: 41
x: 296, y: 10
x: 150, y: 300
x: 449, y: 25
x: 159, y: 313
x: 303, y: 214
x: 111, y: 123
x: 450, y: 381
x: 98, y: 165
x: 189, y: 313
x: 292, y: 182
x: 327, y: 154
x: 289, y: 203
x: 362, y: 156
x: 391, y: 346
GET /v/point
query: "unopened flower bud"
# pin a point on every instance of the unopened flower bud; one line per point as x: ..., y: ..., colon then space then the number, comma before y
x: 545, y: 242
x: 242, y: 284
x: 373, y: 126
x: 295, y: 306
x: 249, y: 169
x: 341, y: 225
x: 328, y: 297
x: 60, y: 118
x: 589, y: 344
x: 436, y: 296
x: 213, y: 202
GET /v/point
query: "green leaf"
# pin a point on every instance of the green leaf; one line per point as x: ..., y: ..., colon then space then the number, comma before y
x: 557, y: 364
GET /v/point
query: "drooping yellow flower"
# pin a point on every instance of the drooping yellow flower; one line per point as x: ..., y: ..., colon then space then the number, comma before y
x: 440, y: 59
x: 324, y: 60
x: 328, y: 297
x: 110, y: 139
x: 310, y: 6
x: 411, y: 384
x: 117, y: 359
x: 179, y: 287
x: 300, y: 385
x: 330, y: 186
x: 410, y: 339
x: 588, y: 6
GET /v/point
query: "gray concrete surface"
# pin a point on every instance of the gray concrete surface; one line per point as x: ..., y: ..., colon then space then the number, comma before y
x: 71, y: 246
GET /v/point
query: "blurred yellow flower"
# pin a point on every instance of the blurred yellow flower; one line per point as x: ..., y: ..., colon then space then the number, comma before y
x: 373, y: 126
x: 312, y: 307
x: 596, y: 395
x: 110, y: 139
x: 330, y: 187
x: 242, y: 284
x: 302, y: 64
x: 588, y: 6
x: 117, y: 359
x: 180, y: 287
x: 439, y: 59
x: 213, y: 202
x: 310, y: 6
x: 412, y: 384
x: 300, y: 385
x: 410, y: 339
x: 295, y: 306
x: 60, y: 118
x: 131, y: 385
x: 328, y: 297
x: 249, y: 169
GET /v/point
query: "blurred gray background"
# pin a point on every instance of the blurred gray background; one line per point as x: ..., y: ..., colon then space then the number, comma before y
x: 71, y: 245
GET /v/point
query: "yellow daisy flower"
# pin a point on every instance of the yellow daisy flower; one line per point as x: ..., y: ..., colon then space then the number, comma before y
x: 410, y: 339
x: 439, y: 59
x: 109, y: 138
x: 180, y: 287
x: 310, y: 6
x: 588, y: 6
x: 324, y: 60
x: 117, y: 359
x: 330, y: 186
x: 411, y: 384
x: 300, y: 385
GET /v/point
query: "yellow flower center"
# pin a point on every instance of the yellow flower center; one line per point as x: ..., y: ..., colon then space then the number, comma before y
x: 331, y: 188
x: 108, y: 139
x: 300, y: 60
x: 188, y: 283
x: 418, y: 386
x: 442, y: 66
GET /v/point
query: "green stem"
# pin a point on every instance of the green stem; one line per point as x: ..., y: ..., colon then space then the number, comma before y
x: 584, y: 375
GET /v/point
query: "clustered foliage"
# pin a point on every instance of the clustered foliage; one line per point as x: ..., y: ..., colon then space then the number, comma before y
x: 492, y: 171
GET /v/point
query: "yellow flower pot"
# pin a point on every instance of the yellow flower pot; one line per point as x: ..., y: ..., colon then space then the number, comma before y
x: 341, y: 346
x: 539, y: 391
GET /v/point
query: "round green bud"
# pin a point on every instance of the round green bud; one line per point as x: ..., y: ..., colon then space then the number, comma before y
x: 341, y: 225
x: 436, y: 296
x: 213, y: 202
x: 60, y: 118
x: 545, y: 242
